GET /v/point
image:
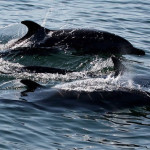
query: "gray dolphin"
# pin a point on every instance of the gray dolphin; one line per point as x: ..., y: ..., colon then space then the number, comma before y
x: 109, y: 99
x: 84, y: 41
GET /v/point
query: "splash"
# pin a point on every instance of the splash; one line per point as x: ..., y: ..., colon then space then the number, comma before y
x: 109, y: 83
x: 46, y: 16
x: 10, y: 34
x: 93, y: 84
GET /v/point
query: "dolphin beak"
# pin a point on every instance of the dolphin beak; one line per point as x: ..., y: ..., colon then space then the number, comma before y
x: 137, y: 51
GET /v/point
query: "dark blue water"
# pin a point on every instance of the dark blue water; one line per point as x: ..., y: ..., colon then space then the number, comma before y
x: 25, y: 125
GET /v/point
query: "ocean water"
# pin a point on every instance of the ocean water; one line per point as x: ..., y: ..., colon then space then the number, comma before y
x: 27, y: 125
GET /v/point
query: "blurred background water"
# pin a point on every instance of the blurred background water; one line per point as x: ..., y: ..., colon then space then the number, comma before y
x: 28, y: 126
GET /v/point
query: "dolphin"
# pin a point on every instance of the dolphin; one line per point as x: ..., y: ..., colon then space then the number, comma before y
x: 37, y: 69
x: 118, y: 68
x: 42, y: 69
x: 115, y: 99
x: 83, y: 41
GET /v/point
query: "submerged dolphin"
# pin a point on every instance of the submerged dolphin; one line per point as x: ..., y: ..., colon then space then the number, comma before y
x: 41, y: 69
x: 108, y: 99
x: 84, y: 41
x: 118, y: 69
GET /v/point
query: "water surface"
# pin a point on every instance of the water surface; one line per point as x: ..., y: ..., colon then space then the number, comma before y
x: 28, y: 126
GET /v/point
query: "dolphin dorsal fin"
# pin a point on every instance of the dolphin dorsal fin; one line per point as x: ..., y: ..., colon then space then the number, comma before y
x: 32, y: 27
x: 119, y: 68
x: 31, y: 85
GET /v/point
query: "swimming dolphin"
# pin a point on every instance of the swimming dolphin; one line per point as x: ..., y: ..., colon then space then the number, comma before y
x: 108, y: 99
x: 83, y: 41
x: 118, y: 69
x: 42, y: 69
x: 37, y: 69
